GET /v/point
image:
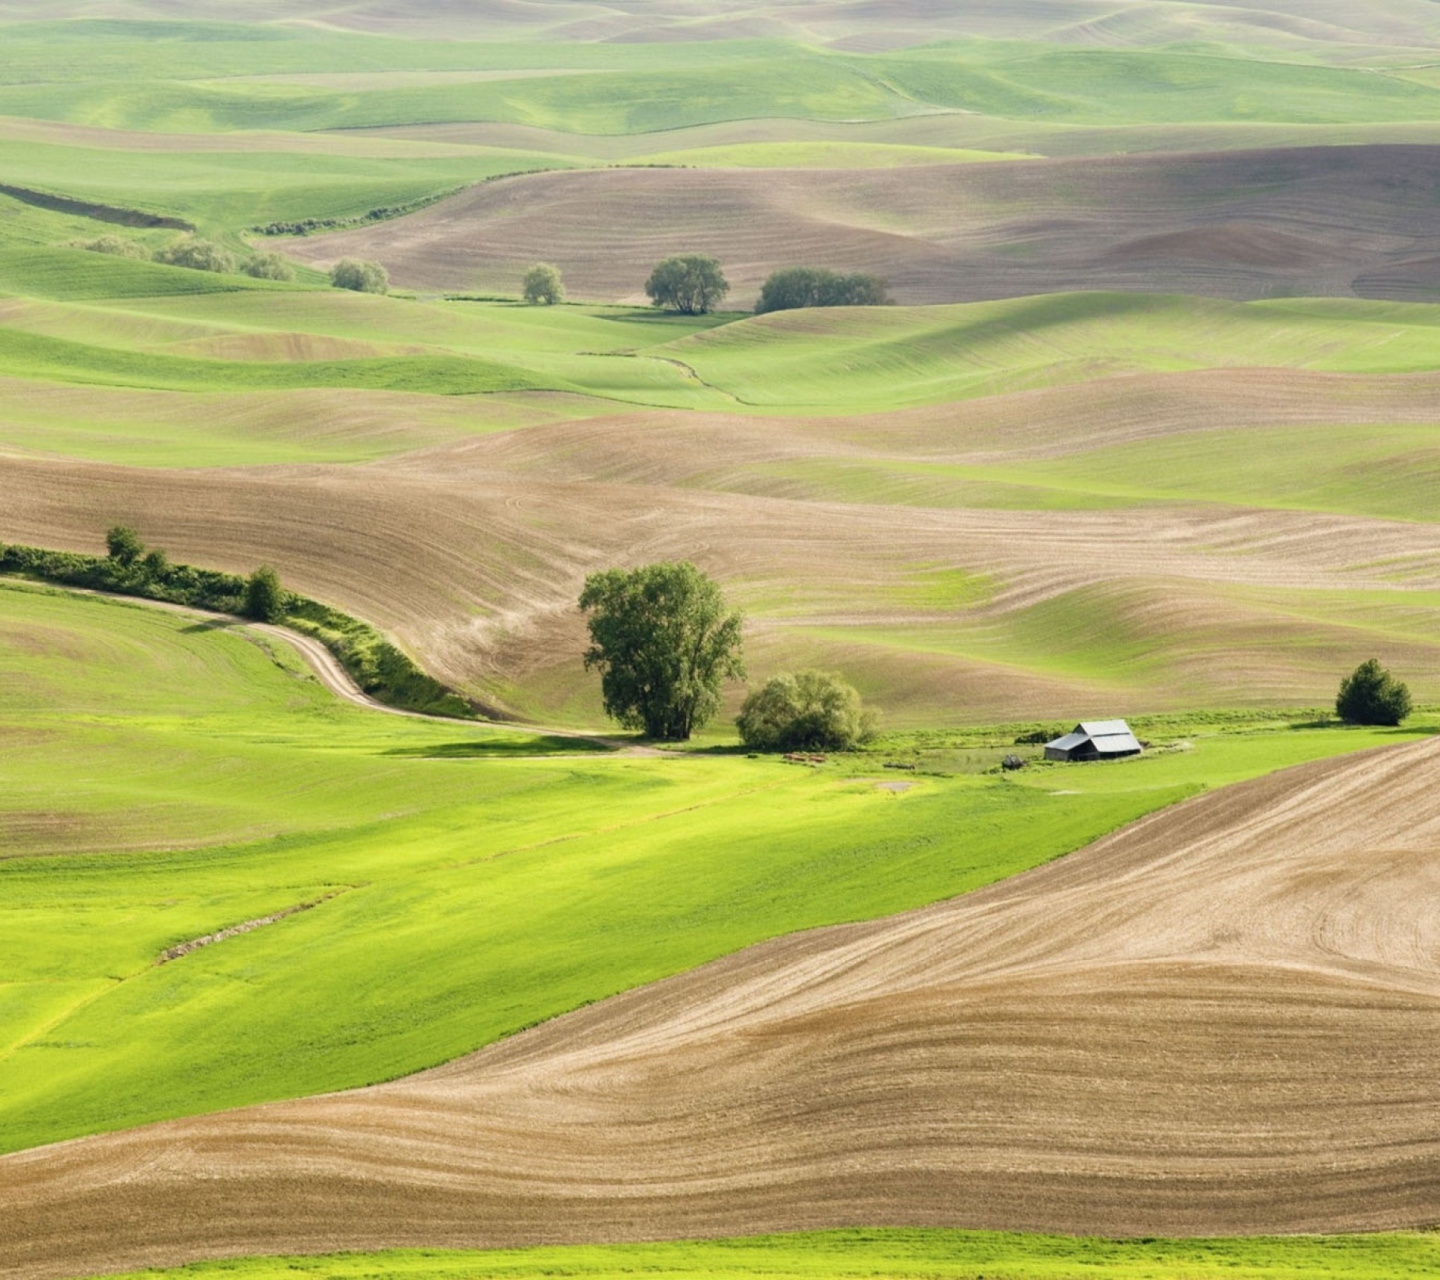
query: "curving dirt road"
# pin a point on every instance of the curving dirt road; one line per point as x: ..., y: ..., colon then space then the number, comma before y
x: 1224, y: 1019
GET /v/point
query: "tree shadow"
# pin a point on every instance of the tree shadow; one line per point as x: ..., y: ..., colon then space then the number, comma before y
x: 211, y: 624
x: 540, y: 745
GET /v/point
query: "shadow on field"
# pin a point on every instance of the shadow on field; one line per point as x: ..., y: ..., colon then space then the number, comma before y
x: 544, y: 744
x: 211, y: 624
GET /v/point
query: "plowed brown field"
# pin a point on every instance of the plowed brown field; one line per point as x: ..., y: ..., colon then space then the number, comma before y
x: 1329, y: 221
x: 473, y: 554
x: 1222, y: 1019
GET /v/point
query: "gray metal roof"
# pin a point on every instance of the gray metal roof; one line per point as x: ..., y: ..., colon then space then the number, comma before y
x: 1111, y: 737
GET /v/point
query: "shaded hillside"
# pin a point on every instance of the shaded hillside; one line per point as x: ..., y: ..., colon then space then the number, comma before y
x: 1218, y: 1021
x: 1312, y: 221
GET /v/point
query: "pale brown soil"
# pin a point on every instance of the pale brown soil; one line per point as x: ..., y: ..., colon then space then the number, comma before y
x: 473, y: 554
x: 1220, y: 1020
x: 1324, y: 221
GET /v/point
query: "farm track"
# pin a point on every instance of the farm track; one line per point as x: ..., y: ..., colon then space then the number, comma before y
x: 472, y: 553
x: 1220, y: 1020
x: 1314, y: 221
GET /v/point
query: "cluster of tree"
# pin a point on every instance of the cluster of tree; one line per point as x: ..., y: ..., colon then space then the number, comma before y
x: 691, y: 283
x: 361, y: 277
x: 795, y: 287
x: 196, y: 255
x: 130, y: 568
x: 664, y: 642
x: 1371, y: 695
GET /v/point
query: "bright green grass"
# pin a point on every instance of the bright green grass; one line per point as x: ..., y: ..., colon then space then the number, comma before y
x: 882, y: 358
x: 161, y: 780
x: 876, y: 1255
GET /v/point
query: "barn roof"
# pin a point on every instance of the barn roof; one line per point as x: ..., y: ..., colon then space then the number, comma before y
x: 1111, y: 737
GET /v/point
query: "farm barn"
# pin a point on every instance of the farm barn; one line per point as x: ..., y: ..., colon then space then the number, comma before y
x: 1095, y: 740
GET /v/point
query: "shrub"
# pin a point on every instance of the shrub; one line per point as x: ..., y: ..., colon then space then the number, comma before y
x: 691, y: 284
x: 118, y: 247
x: 806, y: 711
x: 197, y: 255
x: 123, y: 544
x: 156, y: 565
x: 794, y: 287
x: 264, y: 599
x: 268, y: 266
x: 542, y: 284
x: 1371, y: 695
x: 663, y: 642
x: 362, y: 277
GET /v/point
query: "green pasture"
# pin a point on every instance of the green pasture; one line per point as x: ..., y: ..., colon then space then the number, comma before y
x: 875, y: 1255
x: 87, y: 320
x: 161, y: 779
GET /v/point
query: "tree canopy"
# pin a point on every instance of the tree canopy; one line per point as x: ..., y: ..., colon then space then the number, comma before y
x: 1371, y: 695
x: 663, y: 641
x: 805, y: 711
x: 794, y: 287
x: 264, y: 597
x: 198, y: 255
x: 691, y: 284
x: 123, y: 544
x: 542, y: 284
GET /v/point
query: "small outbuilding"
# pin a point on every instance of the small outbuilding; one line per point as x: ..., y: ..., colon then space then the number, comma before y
x: 1095, y: 740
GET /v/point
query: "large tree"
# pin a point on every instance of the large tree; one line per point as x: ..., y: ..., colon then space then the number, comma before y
x: 542, y: 285
x: 1371, y: 695
x: 691, y: 283
x: 663, y: 641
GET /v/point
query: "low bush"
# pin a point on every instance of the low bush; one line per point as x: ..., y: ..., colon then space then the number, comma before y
x: 197, y: 255
x: 117, y: 247
x: 361, y: 277
x: 377, y: 666
x: 268, y: 266
x: 805, y: 711
x: 795, y: 287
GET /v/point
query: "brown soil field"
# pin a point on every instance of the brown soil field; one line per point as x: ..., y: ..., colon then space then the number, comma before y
x: 473, y: 553
x: 1323, y: 221
x: 1220, y: 1020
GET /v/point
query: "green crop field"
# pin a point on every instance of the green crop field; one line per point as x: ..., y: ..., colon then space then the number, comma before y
x: 165, y: 780
x: 990, y: 516
x: 893, y: 1255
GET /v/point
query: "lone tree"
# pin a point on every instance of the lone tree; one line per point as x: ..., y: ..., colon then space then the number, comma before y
x: 361, y: 277
x: 691, y: 284
x: 124, y: 545
x: 542, y: 284
x: 794, y: 287
x: 1371, y: 695
x: 807, y: 711
x: 663, y: 642
x: 264, y: 597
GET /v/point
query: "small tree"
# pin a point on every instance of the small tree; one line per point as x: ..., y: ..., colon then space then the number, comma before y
x: 663, y: 642
x: 124, y: 545
x: 807, y: 711
x: 1371, y: 695
x: 156, y: 565
x: 542, y: 284
x: 198, y: 255
x: 264, y: 598
x: 268, y: 266
x: 691, y: 284
x: 362, y: 277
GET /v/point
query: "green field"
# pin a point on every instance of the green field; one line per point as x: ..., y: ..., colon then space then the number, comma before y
x: 891, y: 1255
x: 165, y: 780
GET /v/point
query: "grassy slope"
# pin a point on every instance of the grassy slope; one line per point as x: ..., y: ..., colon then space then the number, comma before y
x: 894, y: 1254
x: 476, y: 893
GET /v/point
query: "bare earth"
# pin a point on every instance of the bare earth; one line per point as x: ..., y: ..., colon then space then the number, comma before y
x: 474, y: 553
x: 1318, y: 221
x: 1220, y: 1020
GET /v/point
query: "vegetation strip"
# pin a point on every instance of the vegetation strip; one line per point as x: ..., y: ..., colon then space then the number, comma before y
x: 381, y: 669
x: 235, y: 930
